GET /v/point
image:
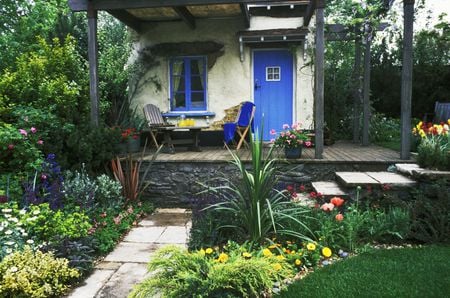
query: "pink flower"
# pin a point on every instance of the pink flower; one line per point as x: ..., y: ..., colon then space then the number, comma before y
x: 43, y: 176
x: 292, y: 136
x: 288, y: 141
x: 337, y: 201
x: 288, y: 133
x: 327, y: 207
x: 272, y: 140
x: 103, y: 214
x: 313, y: 194
x: 40, y: 142
x: 23, y: 132
x: 273, y: 132
x: 282, y: 134
x: 117, y: 220
x: 285, y: 126
x: 294, y: 194
x: 10, y: 146
x: 339, y: 217
x: 308, y: 144
x: 295, y: 126
x: 33, y: 129
x: 130, y: 210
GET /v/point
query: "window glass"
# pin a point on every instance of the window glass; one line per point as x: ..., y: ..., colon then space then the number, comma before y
x: 273, y: 73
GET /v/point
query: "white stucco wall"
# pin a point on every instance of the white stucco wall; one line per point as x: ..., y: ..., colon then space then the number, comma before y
x: 229, y: 80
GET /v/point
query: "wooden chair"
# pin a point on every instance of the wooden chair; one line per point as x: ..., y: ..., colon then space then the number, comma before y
x: 241, y: 126
x: 155, y: 121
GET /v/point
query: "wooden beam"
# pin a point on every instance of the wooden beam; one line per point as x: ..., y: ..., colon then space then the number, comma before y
x: 185, y: 15
x: 366, y: 92
x: 356, y: 76
x: 82, y: 5
x: 245, y: 14
x: 407, y: 71
x: 319, y: 79
x: 93, y: 65
x: 309, y: 13
x: 126, y: 18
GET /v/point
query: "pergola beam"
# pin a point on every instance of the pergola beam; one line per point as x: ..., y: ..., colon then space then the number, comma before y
x: 126, y: 18
x: 407, y: 71
x: 245, y: 13
x: 185, y: 15
x: 82, y: 5
x: 309, y: 13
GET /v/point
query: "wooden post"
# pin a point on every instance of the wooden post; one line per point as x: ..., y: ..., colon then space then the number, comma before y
x: 366, y: 95
x: 93, y: 64
x: 357, y: 89
x: 319, y: 79
x: 407, y: 70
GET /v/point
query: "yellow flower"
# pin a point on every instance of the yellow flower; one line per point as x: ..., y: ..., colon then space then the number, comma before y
x: 272, y: 246
x: 298, y: 262
x: 310, y: 246
x: 277, y: 266
x: 209, y: 251
x: 223, y: 257
x: 201, y: 252
x: 246, y: 255
x: 326, y: 252
x: 280, y: 257
x: 292, y: 252
x: 267, y: 252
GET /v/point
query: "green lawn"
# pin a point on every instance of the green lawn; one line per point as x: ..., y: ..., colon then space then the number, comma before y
x: 409, y: 272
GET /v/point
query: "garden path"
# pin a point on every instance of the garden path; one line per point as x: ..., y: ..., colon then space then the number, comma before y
x: 127, y: 264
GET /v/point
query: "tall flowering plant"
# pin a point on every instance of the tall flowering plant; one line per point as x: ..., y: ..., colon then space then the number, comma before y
x: 129, y: 133
x: 290, y: 137
x: 434, y: 147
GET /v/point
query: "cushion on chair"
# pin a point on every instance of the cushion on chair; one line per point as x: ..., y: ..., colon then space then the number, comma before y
x: 229, y: 130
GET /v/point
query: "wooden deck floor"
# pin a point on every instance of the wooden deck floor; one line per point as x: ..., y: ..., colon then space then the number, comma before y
x: 340, y: 152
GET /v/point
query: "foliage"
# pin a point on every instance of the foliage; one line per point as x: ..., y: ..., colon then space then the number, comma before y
x: 20, y: 149
x: 402, y: 272
x: 431, y: 214
x: 34, y: 274
x: 208, y: 273
x: 258, y: 209
x: 384, y: 129
x: 291, y: 137
x: 434, y: 147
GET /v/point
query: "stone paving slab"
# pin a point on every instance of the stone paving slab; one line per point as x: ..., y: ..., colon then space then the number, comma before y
x: 172, y: 210
x: 132, y: 252
x: 108, y: 265
x: 407, y: 168
x: 174, y: 235
x: 92, y: 284
x: 328, y: 188
x: 166, y: 219
x: 416, y: 171
x: 350, y: 179
x: 144, y: 234
x: 393, y: 179
x: 122, y: 281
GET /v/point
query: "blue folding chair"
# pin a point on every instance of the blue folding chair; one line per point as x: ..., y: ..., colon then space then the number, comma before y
x: 242, y: 125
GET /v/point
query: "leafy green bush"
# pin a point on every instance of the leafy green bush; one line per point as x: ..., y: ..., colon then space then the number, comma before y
x: 178, y: 273
x: 434, y: 147
x: 34, y: 274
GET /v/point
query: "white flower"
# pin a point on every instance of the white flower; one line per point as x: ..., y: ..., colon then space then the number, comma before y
x: 19, y: 224
x: 8, y: 250
x: 14, y: 219
x: 36, y: 212
x: 7, y: 215
x: 6, y: 210
x: 9, y: 232
x: 13, y: 269
x: 30, y: 241
x: 1, y: 228
x: 9, y: 243
x: 25, y: 234
x: 22, y: 212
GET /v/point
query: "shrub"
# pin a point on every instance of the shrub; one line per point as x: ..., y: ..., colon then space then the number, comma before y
x: 434, y: 147
x: 34, y: 274
x: 209, y: 273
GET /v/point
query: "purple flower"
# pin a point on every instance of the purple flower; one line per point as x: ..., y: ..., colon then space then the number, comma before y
x: 23, y: 132
x: 51, y: 156
x: 273, y: 132
x: 33, y: 129
x: 40, y: 142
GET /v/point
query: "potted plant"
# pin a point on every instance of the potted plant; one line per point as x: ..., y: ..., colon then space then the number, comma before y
x: 292, y: 139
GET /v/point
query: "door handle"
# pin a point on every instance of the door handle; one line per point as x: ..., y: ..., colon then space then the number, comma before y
x: 257, y: 84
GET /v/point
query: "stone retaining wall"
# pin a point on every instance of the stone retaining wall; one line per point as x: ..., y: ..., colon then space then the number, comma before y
x: 177, y: 183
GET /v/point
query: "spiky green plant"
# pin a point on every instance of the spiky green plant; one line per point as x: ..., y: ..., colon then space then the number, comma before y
x: 255, y: 207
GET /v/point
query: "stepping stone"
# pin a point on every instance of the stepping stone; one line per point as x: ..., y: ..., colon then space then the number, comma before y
x: 174, y: 235
x: 172, y: 210
x: 144, y: 234
x: 122, y: 281
x: 108, y: 265
x: 328, y: 188
x: 392, y: 179
x: 407, y: 168
x: 350, y: 179
x: 92, y: 284
x: 132, y: 252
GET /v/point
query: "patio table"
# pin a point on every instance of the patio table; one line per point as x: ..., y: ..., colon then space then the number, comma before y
x: 194, y: 138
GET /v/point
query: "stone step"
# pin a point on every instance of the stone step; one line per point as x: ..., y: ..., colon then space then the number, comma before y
x: 416, y: 171
x: 352, y: 179
x: 328, y: 188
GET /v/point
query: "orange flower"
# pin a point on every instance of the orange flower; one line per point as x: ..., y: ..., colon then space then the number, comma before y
x: 339, y: 217
x: 337, y: 201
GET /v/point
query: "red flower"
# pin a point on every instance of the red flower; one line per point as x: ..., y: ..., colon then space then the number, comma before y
x: 10, y: 146
x: 290, y: 188
x: 339, y: 217
x: 302, y: 188
x: 294, y: 194
x: 337, y: 201
x: 312, y: 194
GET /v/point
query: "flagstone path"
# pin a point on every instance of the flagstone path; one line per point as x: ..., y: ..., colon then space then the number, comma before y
x: 126, y: 265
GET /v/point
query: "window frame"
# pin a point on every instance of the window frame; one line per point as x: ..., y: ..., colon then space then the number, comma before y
x: 187, y: 60
x: 273, y: 73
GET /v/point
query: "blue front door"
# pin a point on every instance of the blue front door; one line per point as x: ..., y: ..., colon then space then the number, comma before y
x: 273, y: 89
